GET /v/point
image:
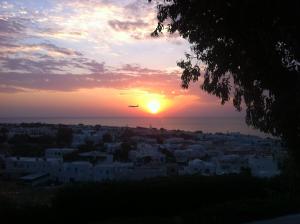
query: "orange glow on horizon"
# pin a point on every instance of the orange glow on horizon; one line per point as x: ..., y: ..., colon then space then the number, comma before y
x: 153, y: 106
x: 153, y: 103
x: 96, y: 102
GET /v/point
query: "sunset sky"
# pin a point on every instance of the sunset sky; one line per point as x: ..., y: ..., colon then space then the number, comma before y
x: 93, y: 58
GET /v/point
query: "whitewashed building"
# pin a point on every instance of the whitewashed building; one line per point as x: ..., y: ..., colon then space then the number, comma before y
x: 32, y: 131
x: 27, y: 165
x: 229, y: 164
x: 112, y: 171
x: 77, y: 171
x: 147, y: 151
x: 97, y: 156
x: 263, y: 166
x: 144, y: 172
x: 58, y: 152
x: 112, y: 147
x: 192, y: 152
x: 198, y: 166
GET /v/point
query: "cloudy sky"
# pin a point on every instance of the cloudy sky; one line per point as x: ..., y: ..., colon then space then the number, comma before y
x: 93, y: 58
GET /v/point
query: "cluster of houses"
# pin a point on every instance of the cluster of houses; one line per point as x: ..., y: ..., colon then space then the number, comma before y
x: 149, y: 153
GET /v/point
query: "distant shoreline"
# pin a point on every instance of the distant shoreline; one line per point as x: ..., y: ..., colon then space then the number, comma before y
x: 204, y: 124
x: 118, y: 117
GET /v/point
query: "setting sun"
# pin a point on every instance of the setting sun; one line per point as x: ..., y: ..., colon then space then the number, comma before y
x: 153, y: 106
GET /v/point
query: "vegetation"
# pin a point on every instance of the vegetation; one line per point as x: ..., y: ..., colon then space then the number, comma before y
x: 169, y: 156
x: 64, y: 135
x: 248, y: 50
x: 219, y: 199
x: 88, y: 146
x: 24, y: 145
x: 107, y: 137
x: 3, y: 135
x: 123, y: 152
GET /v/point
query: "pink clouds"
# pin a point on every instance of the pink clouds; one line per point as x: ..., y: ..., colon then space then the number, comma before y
x: 102, y: 78
x: 127, y: 25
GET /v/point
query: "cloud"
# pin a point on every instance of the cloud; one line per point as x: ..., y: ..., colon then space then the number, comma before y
x: 127, y: 25
x: 38, y: 48
x: 47, y: 48
x: 7, y: 27
x: 61, y: 50
x: 22, y: 50
x: 9, y: 31
x: 126, y: 77
x: 10, y: 89
x: 135, y: 68
x: 40, y: 63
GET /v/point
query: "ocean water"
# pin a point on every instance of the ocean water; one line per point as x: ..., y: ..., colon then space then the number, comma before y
x: 205, y: 124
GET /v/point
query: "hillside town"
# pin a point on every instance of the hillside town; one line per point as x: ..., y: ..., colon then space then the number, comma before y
x: 54, y: 154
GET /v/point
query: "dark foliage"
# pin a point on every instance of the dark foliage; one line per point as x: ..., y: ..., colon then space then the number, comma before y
x: 107, y: 137
x: 228, y: 199
x: 88, y: 146
x: 64, y: 136
x: 169, y: 155
x: 252, y: 53
x: 123, y: 152
x: 24, y: 145
x: 127, y: 134
x: 3, y: 135
x: 19, y: 139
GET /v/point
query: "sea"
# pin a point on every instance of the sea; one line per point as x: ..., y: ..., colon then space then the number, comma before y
x: 205, y: 124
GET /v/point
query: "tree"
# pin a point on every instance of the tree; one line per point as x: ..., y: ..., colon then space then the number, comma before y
x: 3, y: 134
x: 107, y: 137
x: 64, y: 135
x: 123, y: 153
x: 87, y: 146
x: 248, y: 50
x: 19, y: 139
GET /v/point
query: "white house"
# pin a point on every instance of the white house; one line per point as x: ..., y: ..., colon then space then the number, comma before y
x: 112, y: 171
x: 27, y: 165
x: 174, y: 140
x: 78, y: 139
x: 192, y: 152
x: 198, y: 166
x: 263, y: 166
x: 228, y: 164
x: 112, y: 146
x: 103, y: 157
x: 76, y: 171
x: 147, y: 151
x: 58, y: 152
x: 35, y: 179
x: 32, y: 131
x: 144, y: 172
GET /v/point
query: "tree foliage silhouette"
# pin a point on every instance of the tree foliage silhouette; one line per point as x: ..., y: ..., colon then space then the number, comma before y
x: 251, y: 52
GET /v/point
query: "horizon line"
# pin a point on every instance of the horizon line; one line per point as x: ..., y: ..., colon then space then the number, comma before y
x: 91, y: 117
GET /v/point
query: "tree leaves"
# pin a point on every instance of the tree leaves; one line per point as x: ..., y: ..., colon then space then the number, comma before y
x: 251, y: 52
